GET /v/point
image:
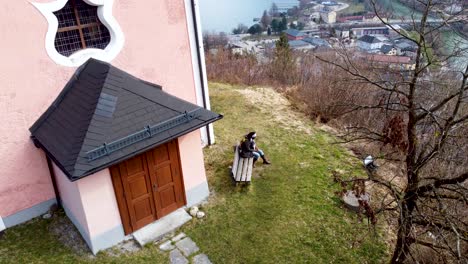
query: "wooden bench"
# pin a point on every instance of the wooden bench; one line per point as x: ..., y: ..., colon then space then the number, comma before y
x: 241, y: 170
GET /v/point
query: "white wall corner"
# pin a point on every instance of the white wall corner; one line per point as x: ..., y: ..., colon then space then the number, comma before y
x: 2, y: 225
x: 76, y: 59
x: 199, y: 67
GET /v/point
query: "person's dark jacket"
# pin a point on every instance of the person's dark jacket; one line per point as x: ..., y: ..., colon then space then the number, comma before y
x: 247, y: 148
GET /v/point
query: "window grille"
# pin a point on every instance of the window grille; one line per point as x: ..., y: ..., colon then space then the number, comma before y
x: 79, y: 27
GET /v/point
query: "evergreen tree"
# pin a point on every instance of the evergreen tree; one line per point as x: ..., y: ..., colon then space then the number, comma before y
x: 282, y: 45
x: 283, y: 66
x: 255, y: 29
x: 283, y: 24
x: 275, y: 25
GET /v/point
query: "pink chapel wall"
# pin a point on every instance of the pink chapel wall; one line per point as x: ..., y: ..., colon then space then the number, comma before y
x: 156, y: 49
x: 99, y: 202
x: 71, y: 199
x: 192, y: 161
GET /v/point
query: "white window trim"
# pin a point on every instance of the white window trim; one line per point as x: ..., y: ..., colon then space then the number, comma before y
x: 104, y: 11
x: 201, y: 83
x: 2, y: 225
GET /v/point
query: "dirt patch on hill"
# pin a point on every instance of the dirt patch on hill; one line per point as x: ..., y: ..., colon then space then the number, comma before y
x: 278, y: 106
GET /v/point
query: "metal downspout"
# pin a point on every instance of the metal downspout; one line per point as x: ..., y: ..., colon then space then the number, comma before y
x: 200, y: 66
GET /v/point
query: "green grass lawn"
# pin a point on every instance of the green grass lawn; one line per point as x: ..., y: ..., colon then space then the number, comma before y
x: 354, y: 7
x: 34, y: 243
x: 289, y: 214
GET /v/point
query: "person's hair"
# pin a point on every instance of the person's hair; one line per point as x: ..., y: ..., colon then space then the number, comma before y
x: 251, y: 135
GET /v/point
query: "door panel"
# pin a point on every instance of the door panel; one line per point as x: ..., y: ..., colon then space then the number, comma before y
x: 138, y: 187
x: 161, y: 154
x: 138, y: 191
x: 142, y: 208
x: 168, y: 197
x: 135, y: 165
x: 164, y: 167
x: 164, y: 176
x: 148, y: 186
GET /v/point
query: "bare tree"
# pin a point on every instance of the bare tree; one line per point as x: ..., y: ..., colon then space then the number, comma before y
x: 213, y: 40
x: 418, y: 116
x: 265, y: 20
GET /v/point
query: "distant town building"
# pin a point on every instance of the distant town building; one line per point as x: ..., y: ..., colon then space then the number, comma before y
x: 327, y: 16
x: 242, y: 47
x: 369, y: 18
x: 372, y: 18
x: 344, y: 33
x: 317, y: 42
x: 300, y: 45
x: 371, y: 31
x: 368, y: 43
x: 388, y: 50
x: 397, y: 62
x: 347, y: 19
x: 294, y: 34
x: 405, y: 47
x: 315, y: 16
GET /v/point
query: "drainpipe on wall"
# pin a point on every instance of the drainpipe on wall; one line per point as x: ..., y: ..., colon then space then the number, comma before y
x: 195, y: 13
x: 54, y: 181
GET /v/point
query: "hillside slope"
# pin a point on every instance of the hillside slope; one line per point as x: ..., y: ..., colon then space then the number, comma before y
x: 290, y: 213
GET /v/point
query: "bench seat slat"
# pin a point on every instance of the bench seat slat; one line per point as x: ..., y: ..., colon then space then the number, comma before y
x: 244, y: 169
x: 236, y: 161
x: 239, y: 169
x: 249, y: 170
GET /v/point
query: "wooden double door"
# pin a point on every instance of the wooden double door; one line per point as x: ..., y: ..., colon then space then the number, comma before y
x: 148, y: 186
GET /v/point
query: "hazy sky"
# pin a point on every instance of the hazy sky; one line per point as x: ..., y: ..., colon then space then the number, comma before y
x: 224, y: 15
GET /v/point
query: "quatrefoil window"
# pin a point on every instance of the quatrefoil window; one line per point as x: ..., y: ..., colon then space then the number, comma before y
x: 79, y: 28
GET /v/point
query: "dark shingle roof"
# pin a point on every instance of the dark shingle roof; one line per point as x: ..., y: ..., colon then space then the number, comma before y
x: 386, y: 49
x: 369, y: 39
x: 298, y: 44
x: 318, y: 42
x: 294, y: 32
x: 102, y: 104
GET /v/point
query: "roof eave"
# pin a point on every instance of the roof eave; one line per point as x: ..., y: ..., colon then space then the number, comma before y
x: 38, y: 144
x: 142, y: 150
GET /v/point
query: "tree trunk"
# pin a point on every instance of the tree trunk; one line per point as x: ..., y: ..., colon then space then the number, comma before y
x: 404, y: 238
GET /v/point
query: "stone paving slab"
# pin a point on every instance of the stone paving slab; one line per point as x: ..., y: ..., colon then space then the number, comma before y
x: 178, y: 237
x: 177, y: 258
x: 201, y: 259
x: 166, y: 246
x: 158, y: 229
x: 187, y: 246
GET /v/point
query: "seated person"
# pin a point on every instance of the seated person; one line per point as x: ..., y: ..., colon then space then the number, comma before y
x: 248, y: 149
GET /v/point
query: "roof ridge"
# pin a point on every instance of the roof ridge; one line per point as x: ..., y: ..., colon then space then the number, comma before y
x: 109, y: 67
